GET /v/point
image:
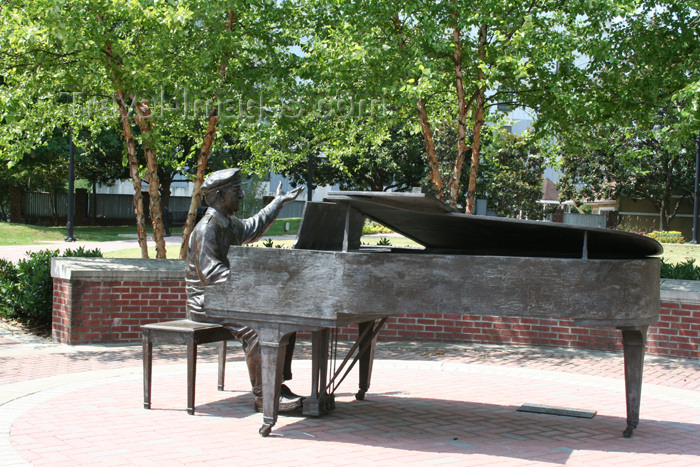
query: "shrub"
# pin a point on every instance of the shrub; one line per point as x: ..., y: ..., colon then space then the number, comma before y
x: 666, y: 236
x: 8, y: 287
x: 372, y: 227
x: 686, y: 270
x: 629, y: 227
x: 28, y: 294
x: 585, y: 208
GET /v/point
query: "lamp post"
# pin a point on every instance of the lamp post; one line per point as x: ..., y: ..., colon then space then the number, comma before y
x: 694, y: 241
x: 310, y: 178
x: 71, y: 189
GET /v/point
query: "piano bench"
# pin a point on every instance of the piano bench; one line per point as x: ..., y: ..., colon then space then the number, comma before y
x: 191, y: 334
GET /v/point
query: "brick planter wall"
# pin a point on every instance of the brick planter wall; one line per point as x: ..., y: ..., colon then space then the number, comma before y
x: 112, y: 311
x: 99, y: 300
x: 107, y: 300
x: 675, y: 334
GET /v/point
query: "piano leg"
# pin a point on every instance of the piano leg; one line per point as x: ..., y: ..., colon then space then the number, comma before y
x: 273, y: 348
x: 316, y: 403
x: 366, y: 359
x: 633, y: 340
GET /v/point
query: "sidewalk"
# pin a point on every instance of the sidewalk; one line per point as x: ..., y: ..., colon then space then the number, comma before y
x: 429, y: 404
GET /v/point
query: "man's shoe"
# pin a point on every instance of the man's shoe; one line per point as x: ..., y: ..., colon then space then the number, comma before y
x: 288, y: 401
x: 286, y: 392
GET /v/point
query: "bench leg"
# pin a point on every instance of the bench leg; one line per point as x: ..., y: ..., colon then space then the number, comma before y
x: 147, y: 368
x: 191, y: 374
x: 222, y: 364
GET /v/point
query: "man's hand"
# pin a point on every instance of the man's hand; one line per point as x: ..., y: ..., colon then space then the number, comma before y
x: 290, y: 195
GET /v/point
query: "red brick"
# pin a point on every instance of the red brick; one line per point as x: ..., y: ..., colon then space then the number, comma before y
x: 489, y: 318
x: 425, y: 321
x: 682, y: 312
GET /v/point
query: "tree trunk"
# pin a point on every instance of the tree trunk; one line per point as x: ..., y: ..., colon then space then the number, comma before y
x: 53, y: 199
x: 662, y: 214
x: 476, y: 146
x: 143, y: 118
x: 165, y: 183
x: 93, y: 214
x: 134, y: 172
x: 199, y: 179
x: 115, y: 68
x: 204, y: 153
x: 453, y: 185
x: 672, y: 213
x: 433, y: 163
x: 478, y: 123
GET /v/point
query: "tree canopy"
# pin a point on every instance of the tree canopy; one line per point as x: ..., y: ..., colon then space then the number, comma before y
x: 377, y: 94
x: 164, y: 68
x: 629, y: 124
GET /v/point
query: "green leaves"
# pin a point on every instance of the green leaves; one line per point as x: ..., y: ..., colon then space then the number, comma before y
x: 578, y: 64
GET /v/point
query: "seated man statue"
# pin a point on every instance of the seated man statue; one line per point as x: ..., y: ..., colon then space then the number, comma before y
x: 207, y: 264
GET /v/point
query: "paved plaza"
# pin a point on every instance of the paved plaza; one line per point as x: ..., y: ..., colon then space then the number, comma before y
x: 429, y: 404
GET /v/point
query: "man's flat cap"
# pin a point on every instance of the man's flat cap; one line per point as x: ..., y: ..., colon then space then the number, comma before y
x: 220, y: 179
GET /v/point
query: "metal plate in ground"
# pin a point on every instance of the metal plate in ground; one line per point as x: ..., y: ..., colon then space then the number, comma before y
x: 561, y: 411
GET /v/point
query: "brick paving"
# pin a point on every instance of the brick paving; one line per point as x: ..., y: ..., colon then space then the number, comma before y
x: 429, y: 404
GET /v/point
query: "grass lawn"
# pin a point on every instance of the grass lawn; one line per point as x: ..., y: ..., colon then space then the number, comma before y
x: 279, y: 227
x: 171, y: 252
x: 22, y: 234
x: 679, y: 252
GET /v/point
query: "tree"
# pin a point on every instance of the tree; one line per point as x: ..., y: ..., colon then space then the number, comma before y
x: 631, y: 162
x: 236, y: 53
x: 99, y: 160
x: 628, y: 123
x: 512, y: 171
x: 158, y: 66
x: 6, y: 183
x: 447, y: 61
x: 46, y: 168
x: 394, y: 164
x: 91, y: 50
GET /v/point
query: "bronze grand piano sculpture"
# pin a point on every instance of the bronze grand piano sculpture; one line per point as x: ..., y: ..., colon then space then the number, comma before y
x: 470, y: 264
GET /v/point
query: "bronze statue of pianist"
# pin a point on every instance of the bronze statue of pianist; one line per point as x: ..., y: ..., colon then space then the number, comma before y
x: 207, y: 264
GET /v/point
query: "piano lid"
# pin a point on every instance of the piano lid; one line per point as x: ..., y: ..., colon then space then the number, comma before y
x: 440, y: 229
